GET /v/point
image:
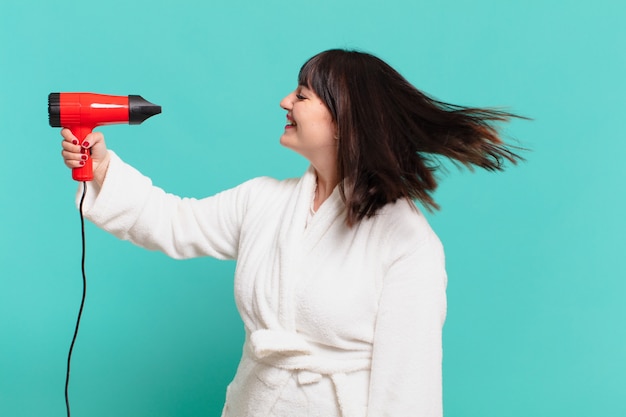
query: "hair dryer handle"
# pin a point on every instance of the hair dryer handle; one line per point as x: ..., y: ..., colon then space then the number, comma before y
x: 85, y: 172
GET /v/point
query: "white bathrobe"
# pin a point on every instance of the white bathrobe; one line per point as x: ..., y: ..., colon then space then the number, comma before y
x: 339, y: 321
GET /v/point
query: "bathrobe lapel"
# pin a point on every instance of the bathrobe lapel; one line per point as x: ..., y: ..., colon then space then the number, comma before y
x: 274, y: 289
x: 290, y: 246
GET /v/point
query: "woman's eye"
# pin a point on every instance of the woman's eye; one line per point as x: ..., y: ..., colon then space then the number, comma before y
x: 300, y: 97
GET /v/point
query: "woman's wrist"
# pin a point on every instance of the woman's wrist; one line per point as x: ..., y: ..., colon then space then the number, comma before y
x: 100, y: 172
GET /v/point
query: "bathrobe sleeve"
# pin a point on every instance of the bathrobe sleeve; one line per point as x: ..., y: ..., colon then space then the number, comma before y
x: 406, y: 378
x: 131, y: 208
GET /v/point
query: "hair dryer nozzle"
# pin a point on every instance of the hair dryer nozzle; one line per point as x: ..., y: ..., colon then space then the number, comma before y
x: 140, y: 109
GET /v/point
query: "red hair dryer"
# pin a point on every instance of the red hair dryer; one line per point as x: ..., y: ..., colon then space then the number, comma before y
x: 82, y: 112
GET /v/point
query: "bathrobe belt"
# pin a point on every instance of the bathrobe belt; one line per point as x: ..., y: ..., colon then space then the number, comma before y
x: 289, y: 351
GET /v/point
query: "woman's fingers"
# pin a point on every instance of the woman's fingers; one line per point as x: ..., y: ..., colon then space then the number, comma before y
x: 71, y: 151
x: 74, y: 155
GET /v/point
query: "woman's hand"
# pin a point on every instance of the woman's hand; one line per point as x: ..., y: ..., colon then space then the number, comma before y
x: 75, y: 159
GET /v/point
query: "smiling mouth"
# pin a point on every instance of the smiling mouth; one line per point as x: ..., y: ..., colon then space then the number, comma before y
x: 290, y: 121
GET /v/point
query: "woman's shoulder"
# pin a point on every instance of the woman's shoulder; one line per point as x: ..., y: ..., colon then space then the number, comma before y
x: 402, y: 214
x: 403, y: 223
x: 262, y: 192
x: 271, y: 184
x: 265, y: 184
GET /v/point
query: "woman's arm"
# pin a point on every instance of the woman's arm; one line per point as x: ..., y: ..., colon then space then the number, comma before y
x: 124, y: 202
x: 130, y: 207
x: 406, y: 378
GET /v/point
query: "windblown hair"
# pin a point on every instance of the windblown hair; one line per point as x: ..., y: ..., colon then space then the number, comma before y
x: 390, y: 133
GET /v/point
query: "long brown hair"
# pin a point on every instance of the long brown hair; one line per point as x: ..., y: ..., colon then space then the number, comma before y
x: 390, y: 132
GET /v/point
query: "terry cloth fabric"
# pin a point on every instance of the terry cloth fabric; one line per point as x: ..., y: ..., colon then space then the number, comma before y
x: 339, y: 321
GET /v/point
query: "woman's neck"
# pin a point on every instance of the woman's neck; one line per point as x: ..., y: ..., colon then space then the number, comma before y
x: 325, y: 186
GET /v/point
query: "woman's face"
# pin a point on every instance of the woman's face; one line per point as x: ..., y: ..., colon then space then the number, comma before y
x: 310, y: 128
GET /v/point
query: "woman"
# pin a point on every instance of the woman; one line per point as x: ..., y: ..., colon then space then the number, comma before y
x: 340, y: 281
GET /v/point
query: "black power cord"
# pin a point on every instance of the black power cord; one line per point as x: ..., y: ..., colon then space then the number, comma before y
x: 82, y: 301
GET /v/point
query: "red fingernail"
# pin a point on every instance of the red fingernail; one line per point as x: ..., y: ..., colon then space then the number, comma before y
x: 83, y: 157
x: 74, y: 142
x: 85, y: 144
x: 82, y: 162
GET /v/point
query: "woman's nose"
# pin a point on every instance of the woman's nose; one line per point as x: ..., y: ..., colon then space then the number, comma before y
x: 287, y: 102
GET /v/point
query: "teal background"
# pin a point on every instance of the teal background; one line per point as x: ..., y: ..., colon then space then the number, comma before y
x: 535, y: 255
